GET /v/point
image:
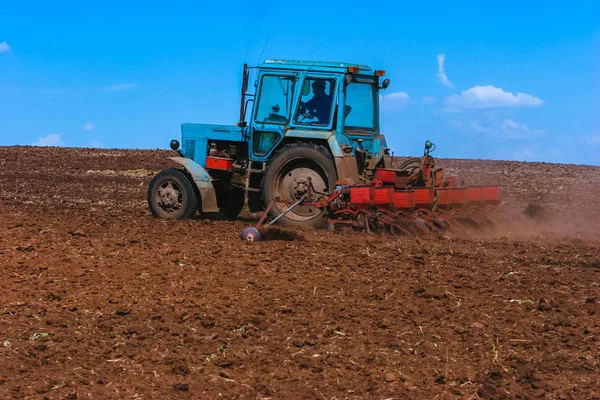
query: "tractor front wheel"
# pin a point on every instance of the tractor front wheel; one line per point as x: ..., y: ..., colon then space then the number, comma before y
x: 288, y: 176
x: 171, y: 195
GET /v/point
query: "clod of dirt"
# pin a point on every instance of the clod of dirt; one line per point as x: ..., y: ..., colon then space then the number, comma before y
x: 478, y: 325
x: 408, y: 385
x: 181, y: 370
x: 25, y: 249
x: 134, y: 329
x: 544, y: 305
x: 224, y: 364
x: 53, y: 297
x: 487, y: 391
x: 495, y: 375
x: 390, y: 377
x: 183, y: 387
x: 418, y: 260
x: 276, y: 233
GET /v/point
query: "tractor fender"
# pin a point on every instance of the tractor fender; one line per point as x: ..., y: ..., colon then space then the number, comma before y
x: 328, y: 137
x: 203, y: 182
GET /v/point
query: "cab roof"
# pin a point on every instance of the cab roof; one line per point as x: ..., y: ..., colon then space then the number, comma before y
x: 329, y: 66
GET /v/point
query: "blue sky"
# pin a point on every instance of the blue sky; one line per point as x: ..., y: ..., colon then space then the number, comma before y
x: 505, y: 80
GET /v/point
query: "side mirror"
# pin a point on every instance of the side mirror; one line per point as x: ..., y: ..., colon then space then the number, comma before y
x: 385, y: 83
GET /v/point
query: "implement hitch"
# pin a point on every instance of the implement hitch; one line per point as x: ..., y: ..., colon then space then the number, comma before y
x: 253, y: 235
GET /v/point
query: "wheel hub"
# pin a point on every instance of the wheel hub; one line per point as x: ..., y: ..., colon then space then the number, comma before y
x: 300, y: 187
x: 169, y: 196
x: 295, y: 183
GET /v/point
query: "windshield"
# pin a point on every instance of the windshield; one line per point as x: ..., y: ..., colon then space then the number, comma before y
x: 359, y: 111
x: 275, y: 100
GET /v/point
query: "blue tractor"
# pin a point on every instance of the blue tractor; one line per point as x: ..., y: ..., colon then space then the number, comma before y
x: 307, y: 125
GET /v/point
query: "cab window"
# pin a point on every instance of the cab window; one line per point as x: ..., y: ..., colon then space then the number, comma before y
x: 359, y: 110
x: 263, y: 141
x: 275, y: 100
x: 316, y: 102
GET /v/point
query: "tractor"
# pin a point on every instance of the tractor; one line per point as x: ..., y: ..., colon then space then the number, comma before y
x: 307, y: 148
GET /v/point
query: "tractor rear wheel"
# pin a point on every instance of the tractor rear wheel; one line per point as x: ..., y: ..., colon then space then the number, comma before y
x: 287, y: 176
x: 171, y: 195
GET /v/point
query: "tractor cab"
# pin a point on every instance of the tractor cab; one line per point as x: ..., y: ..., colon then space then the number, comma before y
x: 314, y: 101
x: 302, y: 127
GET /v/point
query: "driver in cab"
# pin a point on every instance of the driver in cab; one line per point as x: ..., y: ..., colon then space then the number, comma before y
x: 319, y: 106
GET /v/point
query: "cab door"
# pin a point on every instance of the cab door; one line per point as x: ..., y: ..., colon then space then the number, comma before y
x: 316, y: 106
x: 271, y: 116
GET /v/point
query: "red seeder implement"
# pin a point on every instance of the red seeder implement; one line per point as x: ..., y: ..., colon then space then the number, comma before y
x: 408, y: 211
x: 413, y: 199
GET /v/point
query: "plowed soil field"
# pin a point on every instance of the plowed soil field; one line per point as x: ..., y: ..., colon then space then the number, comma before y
x: 99, y: 300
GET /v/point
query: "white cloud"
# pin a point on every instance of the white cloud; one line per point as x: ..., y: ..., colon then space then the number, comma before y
x: 490, y: 97
x: 491, y: 128
x: 52, y: 139
x: 429, y: 100
x: 4, y: 47
x: 594, y: 140
x: 441, y: 58
x: 394, y: 101
x: 396, y: 95
x: 525, y: 154
x: 120, y: 87
x: 515, y: 130
x: 96, y: 144
x: 476, y: 126
x: 88, y: 127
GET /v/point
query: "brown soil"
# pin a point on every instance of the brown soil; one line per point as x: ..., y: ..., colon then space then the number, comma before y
x: 100, y: 300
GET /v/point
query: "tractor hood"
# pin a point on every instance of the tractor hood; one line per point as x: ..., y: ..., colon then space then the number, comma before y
x: 195, y: 138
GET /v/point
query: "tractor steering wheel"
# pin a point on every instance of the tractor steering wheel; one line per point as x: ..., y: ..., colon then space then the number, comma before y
x: 306, y: 113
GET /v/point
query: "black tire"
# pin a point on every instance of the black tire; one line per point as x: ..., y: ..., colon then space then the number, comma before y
x: 231, y: 201
x: 171, y: 195
x: 287, y: 169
